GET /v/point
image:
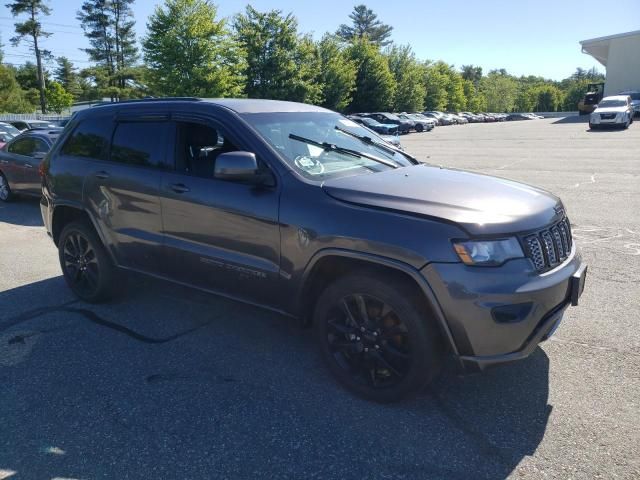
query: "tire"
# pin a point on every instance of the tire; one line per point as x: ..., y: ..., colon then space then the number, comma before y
x: 419, y: 128
x: 626, y: 125
x: 396, y: 355
x: 6, y: 195
x: 86, y: 266
x: 591, y: 126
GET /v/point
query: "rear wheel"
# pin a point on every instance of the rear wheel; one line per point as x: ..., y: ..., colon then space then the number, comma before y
x: 86, y: 266
x: 376, y: 341
x: 419, y: 127
x: 5, y: 189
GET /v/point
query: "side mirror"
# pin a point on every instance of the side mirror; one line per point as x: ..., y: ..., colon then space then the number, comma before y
x: 238, y: 166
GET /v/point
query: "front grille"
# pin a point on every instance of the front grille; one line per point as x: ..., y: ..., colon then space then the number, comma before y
x: 549, y: 247
x: 607, y: 116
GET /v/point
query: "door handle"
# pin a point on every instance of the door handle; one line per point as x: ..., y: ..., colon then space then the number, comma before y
x: 28, y: 165
x: 102, y: 175
x: 4, y: 162
x: 179, y: 188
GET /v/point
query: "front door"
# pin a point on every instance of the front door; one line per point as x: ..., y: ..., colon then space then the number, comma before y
x: 219, y: 235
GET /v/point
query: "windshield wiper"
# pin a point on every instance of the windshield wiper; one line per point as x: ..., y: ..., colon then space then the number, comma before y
x: 330, y: 147
x: 371, y: 141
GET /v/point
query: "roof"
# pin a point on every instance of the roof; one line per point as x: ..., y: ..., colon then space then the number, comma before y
x: 238, y: 105
x: 598, y: 47
x: 616, y: 97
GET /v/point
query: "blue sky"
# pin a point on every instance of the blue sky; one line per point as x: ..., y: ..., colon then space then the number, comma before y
x: 526, y: 37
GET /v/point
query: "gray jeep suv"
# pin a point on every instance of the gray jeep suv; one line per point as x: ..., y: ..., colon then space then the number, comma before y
x: 295, y: 208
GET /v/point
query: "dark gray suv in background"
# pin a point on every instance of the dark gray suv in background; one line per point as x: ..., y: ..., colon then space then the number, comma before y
x: 298, y: 209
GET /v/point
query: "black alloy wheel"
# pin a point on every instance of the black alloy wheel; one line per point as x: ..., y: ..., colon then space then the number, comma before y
x: 376, y: 340
x: 369, y: 341
x: 86, y: 266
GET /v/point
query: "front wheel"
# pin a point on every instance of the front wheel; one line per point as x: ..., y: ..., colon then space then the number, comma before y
x: 419, y: 128
x: 86, y: 266
x: 376, y: 341
x: 5, y: 189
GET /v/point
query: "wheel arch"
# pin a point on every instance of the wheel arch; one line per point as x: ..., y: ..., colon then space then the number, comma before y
x: 65, y: 213
x: 329, y: 264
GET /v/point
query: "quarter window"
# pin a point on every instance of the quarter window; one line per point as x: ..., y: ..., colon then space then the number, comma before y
x: 90, y: 139
x: 140, y: 143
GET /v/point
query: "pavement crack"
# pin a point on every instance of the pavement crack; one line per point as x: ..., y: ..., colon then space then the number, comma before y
x: 94, y: 318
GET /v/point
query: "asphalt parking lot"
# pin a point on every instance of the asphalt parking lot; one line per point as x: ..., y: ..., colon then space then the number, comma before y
x: 170, y: 383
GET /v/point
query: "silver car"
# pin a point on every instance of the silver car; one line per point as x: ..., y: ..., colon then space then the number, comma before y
x: 19, y: 162
x: 615, y: 110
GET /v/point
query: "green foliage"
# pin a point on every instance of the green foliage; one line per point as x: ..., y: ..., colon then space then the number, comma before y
x: 436, y: 83
x: 27, y: 75
x: 500, y: 89
x: 190, y: 53
x: 280, y: 64
x: 472, y: 73
x: 31, y: 29
x: 337, y: 74
x: 67, y: 75
x: 476, y: 101
x: 12, y: 98
x: 58, y: 99
x: 375, y: 85
x: 547, y: 97
x: 109, y: 26
x: 409, y: 78
x: 365, y: 23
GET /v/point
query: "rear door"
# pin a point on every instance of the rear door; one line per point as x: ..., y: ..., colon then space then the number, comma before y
x: 126, y: 157
x: 219, y: 235
x: 17, y: 162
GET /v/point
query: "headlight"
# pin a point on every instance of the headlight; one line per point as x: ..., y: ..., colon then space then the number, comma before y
x: 488, y: 252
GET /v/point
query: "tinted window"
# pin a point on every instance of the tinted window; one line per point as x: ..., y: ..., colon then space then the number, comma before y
x: 28, y: 146
x: 197, y: 148
x: 90, y: 139
x: 141, y: 144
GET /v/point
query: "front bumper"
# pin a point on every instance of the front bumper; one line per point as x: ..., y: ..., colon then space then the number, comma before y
x: 500, y: 314
x: 596, y: 119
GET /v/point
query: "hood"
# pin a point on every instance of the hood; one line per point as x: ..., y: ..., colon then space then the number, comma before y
x: 480, y: 204
x: 611, y: 110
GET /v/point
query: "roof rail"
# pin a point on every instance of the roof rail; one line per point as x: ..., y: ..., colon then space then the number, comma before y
x: 149, y: 99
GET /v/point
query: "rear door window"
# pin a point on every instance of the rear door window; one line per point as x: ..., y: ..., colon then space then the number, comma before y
x: 140, y: 144
x: 90, y: 139
x: 23, y: 146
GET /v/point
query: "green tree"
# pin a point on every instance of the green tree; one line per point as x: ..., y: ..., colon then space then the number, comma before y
x: 375, y: 85
x: 472, y: 73
x: 337, y: 74
x: 409, y: 78
x: 66, y: 74
x: 365, y: 23
x: 436, y: 80
x: 547, y: 98
x: 30, y: 30
x: 189, y: 52
x: 456, y: 99
x: 109, y: 26
x: 280, y: 63
x: 500, y: 90
x: 12, y: 98
x: 58, y: 98
x: 27, y: 76
x: 475, y: 99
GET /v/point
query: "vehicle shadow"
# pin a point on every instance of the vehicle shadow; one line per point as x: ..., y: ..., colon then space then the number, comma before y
x: 173, y: 383
x: 22, y: 210
x: 573, y: 119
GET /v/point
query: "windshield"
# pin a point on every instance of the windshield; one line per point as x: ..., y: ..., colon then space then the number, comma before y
x: 313, y: 161
x: 612, y: 103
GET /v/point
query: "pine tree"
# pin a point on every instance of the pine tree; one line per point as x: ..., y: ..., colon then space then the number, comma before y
x: 365, y: 23
x: 109, y: 26
x: 67, y: 75
x: 375, y: 85
x: 30, y: 30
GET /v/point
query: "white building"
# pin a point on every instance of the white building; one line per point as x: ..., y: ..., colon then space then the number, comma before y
x: 620, y: 54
